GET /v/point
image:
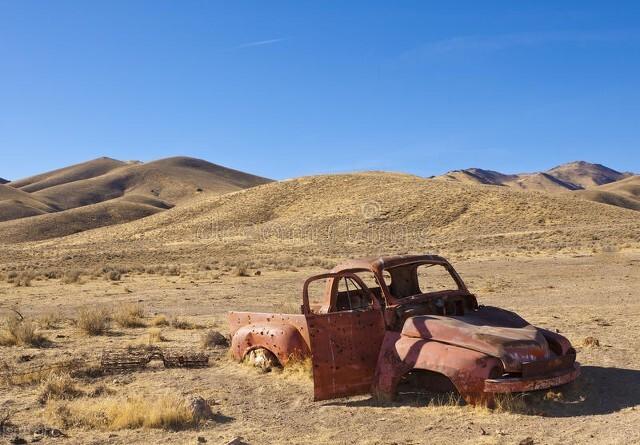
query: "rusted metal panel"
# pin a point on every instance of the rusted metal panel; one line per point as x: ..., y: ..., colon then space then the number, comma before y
x: 490, y: 330
x: 344, y: 352
x: 282, y: 340
x: 239, y: 319
x: 467, y: 369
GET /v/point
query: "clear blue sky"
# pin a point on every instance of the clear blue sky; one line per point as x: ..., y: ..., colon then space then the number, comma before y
x: 284, y: 89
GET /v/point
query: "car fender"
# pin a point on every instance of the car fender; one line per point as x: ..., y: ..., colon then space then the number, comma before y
x: 283, y: 340
x: 467, y: 369
x: 556, y: 340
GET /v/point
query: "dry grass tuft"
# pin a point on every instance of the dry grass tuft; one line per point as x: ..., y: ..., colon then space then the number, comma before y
x: 182, y: 324
x: 50, y: 320
x: 510, y: 403
x: 446, y: 399
x: 18, y: 332
x: 591, y: 342
x: 160, y: 320
x: 58, y: 387
x: 241, y: 270
x: 129, y: 316
x: 71, y: 276
x: 138, y: 411
x: 155, y: 335
x: 94, y: 321
x: 299, y: 368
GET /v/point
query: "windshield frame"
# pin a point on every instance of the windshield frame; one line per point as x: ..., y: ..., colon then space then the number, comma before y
x: 462, y: 288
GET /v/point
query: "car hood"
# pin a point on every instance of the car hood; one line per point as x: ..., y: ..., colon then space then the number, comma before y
x: 490, y: 330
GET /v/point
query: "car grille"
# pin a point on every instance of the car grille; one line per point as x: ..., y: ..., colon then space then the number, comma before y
x: 539, y: 367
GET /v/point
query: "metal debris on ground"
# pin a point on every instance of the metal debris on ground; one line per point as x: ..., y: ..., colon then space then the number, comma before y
x: 136, y: 358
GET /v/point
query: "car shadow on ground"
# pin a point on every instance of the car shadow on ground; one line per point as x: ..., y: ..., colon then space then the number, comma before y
x: 598, y: 390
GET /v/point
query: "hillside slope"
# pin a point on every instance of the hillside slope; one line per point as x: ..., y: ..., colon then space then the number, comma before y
x: 362, y: 214
x: 171, y: 180
x: 70, y: 195
x: 3, y: 181
x: 623, y: 193
x: 54, y: 225
x: 15, y: 203
x: 84, y: 170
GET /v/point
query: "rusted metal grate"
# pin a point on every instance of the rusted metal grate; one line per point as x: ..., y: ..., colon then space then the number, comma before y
x: 132, y: 359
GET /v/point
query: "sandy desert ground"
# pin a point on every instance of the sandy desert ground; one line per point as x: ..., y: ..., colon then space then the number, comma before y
x: 584, y: 295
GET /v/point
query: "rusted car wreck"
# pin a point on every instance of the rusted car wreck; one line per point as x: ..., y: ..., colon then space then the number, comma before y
x: 415, y: 316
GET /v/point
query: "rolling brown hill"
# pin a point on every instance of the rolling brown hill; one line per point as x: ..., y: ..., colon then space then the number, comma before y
x: 169, y: 180
x: 358, y: 214
x: 106, y: 191
x: 15, y: 203
x: 622, y: 193
x: 85, y: 170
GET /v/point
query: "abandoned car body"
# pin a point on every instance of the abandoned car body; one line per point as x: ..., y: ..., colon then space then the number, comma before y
x: 365, y: 339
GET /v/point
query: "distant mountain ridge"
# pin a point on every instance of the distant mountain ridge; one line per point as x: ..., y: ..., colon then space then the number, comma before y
x: 3, y: 181
x: 594, y: 182
x: 571, y: 176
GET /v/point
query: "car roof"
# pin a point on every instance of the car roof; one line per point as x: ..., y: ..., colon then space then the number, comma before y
x: 386, y: 262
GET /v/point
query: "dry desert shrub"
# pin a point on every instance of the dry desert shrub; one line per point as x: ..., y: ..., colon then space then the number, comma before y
x: 112, y: 275
x: 160, y: 320
x: 71, y: 276
x: 129, y: 316
x: 51, y: 274
x: 114, y: 413
x: 213, y: 339
x: 10, y: 277
x: 173, y: 270
x: 163, y: 270
x: 177, y: 323
x: 591, y: 342
x: 58, y: 387
x: 241, y: 270
x: 24, y: 278
x: 17, y: 332
x: 94, y: 321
